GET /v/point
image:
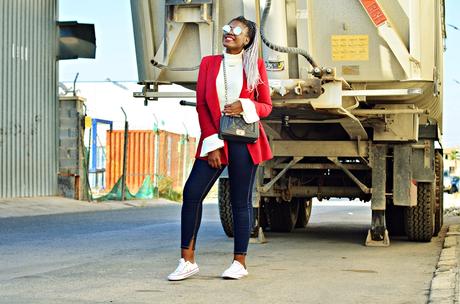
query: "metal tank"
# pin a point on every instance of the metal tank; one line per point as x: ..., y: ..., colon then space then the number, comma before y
x: 357, y: 101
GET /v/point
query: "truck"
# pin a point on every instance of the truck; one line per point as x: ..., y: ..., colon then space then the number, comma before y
x: 357, y: 102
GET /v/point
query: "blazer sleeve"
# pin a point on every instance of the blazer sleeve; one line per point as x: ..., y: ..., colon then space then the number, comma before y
x: 263, y: 102
x: 204, y: 116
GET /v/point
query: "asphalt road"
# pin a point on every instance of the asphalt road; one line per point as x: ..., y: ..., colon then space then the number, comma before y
x: 124, y: 256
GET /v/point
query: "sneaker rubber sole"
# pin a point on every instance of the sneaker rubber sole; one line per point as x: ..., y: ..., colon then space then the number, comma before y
x: 183, y: 276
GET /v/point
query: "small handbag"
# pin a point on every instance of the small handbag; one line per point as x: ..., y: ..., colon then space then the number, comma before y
x: 235, y: 128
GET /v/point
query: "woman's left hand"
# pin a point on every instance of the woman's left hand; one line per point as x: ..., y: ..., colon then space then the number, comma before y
x: 234, y: 108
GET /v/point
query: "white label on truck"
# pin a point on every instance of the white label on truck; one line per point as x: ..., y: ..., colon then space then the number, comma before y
x: 350, y: 47
x: 351, y: 70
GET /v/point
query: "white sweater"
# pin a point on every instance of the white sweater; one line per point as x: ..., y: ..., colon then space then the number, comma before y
x: 234, y: 70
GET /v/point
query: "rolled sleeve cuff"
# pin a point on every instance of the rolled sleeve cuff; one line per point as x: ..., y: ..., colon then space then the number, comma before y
x: 211, y: 143
x: 249, y: 110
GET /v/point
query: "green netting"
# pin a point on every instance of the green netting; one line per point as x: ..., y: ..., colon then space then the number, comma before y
x: 115, y: 193
x: 146, y: 191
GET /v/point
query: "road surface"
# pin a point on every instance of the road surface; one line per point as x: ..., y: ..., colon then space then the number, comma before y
x: 124, y: 256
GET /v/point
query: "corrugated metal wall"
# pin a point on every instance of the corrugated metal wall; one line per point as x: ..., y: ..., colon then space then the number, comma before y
x: 139, y: 161
x: 141, y: 157
x: 28, y: 92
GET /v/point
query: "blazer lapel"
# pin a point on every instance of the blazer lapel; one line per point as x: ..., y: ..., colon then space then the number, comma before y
x: 244, y: 90
x: 212, y: 98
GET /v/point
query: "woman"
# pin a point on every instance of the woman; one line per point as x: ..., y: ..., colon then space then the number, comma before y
x: 233, y: 84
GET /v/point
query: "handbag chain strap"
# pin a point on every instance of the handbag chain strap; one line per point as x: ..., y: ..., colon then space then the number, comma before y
x: 225, y: 79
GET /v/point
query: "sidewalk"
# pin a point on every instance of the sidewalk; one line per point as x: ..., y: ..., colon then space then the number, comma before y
x: 17, y: 207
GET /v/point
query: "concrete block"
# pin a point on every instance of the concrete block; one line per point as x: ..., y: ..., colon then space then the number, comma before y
x: 68, y: 143
x: 453, y: 228
x: 448, y: 253
x: 453, y: 233
x: 66, y: 187
x: 442, y: 295
x: 71, y: 153
x: 444, y: 281
x: 68, y: 122
x: 68, y: 165
x: 452, y: 263
x: 450, y: 241
x: 443, y: 268
x: 68, y: 133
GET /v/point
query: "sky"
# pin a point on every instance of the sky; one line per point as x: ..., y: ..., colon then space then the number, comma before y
x: 115, y: 54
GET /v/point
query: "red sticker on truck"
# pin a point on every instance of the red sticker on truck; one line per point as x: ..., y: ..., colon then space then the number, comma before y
x: 374, y: 11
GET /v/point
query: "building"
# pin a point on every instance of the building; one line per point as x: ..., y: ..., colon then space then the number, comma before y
x: 29, y: 102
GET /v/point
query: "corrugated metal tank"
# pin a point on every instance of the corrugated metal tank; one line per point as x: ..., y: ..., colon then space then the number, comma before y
x: 28, y: 107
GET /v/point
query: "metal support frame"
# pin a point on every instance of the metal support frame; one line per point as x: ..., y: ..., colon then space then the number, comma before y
x: 345, y: 93
x: 361, y: 186
x: 267, y: 186
x: 367, y: 112
x: 383, y: 92
x: 352, y: 125
x: 378, y: 235
x: 379, y: 174
x: 323, y: 166
x: 321, y: 192
x: 314, y: 148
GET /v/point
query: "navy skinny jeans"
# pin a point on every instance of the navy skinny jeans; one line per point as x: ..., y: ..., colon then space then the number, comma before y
x: 241, y: 171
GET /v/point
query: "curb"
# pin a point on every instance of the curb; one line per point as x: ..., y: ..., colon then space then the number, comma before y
x: 444, y: 285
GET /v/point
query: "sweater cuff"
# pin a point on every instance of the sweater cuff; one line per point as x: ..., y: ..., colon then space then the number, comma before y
x: 249, y: 110
x: 211, y: 143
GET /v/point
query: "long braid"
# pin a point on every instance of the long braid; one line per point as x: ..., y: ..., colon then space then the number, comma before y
x: 251, y: 54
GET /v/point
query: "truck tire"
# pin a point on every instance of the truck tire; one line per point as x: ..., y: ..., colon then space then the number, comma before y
x: 225, y: 206
x: 394, y: 218
x: 304, y: 214
x: 420, y: 220
x: 439, y: 214
x: 282, y: 216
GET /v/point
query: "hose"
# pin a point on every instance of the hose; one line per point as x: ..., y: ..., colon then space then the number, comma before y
x: 278, y: 48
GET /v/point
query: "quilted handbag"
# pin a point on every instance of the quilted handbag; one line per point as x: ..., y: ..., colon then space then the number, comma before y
x: 234, y: 128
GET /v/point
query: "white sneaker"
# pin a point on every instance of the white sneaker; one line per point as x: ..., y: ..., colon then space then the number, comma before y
x: 235, y: 271
x: 184, y: 270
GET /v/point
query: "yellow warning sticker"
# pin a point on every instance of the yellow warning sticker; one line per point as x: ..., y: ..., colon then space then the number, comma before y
x: 350, y: 47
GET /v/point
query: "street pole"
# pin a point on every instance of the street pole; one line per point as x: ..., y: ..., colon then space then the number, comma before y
x: 125, y: 148
x: 156, y: 157
x: 185, y: 144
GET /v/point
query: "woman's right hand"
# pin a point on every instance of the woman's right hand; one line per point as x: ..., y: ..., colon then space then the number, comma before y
x: 214, y: 159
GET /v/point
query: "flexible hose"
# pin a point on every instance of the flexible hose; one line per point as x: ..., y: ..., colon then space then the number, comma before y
x: 278, y: 48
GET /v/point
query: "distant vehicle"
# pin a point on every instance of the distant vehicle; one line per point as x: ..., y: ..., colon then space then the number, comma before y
x: 447, y: 182
x: 454, y: 184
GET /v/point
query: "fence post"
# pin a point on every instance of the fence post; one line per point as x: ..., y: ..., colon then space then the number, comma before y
x: 125, y: 146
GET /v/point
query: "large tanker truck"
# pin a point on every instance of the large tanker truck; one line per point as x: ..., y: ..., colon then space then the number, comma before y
x: 357, y: 102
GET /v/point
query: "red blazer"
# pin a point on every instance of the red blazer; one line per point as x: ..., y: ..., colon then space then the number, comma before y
x: 208, y: 108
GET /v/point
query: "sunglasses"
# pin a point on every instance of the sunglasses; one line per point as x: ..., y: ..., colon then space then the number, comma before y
x: 236, y: 30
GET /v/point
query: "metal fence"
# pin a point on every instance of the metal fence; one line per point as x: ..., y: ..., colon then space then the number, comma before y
x: 156, y: 154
